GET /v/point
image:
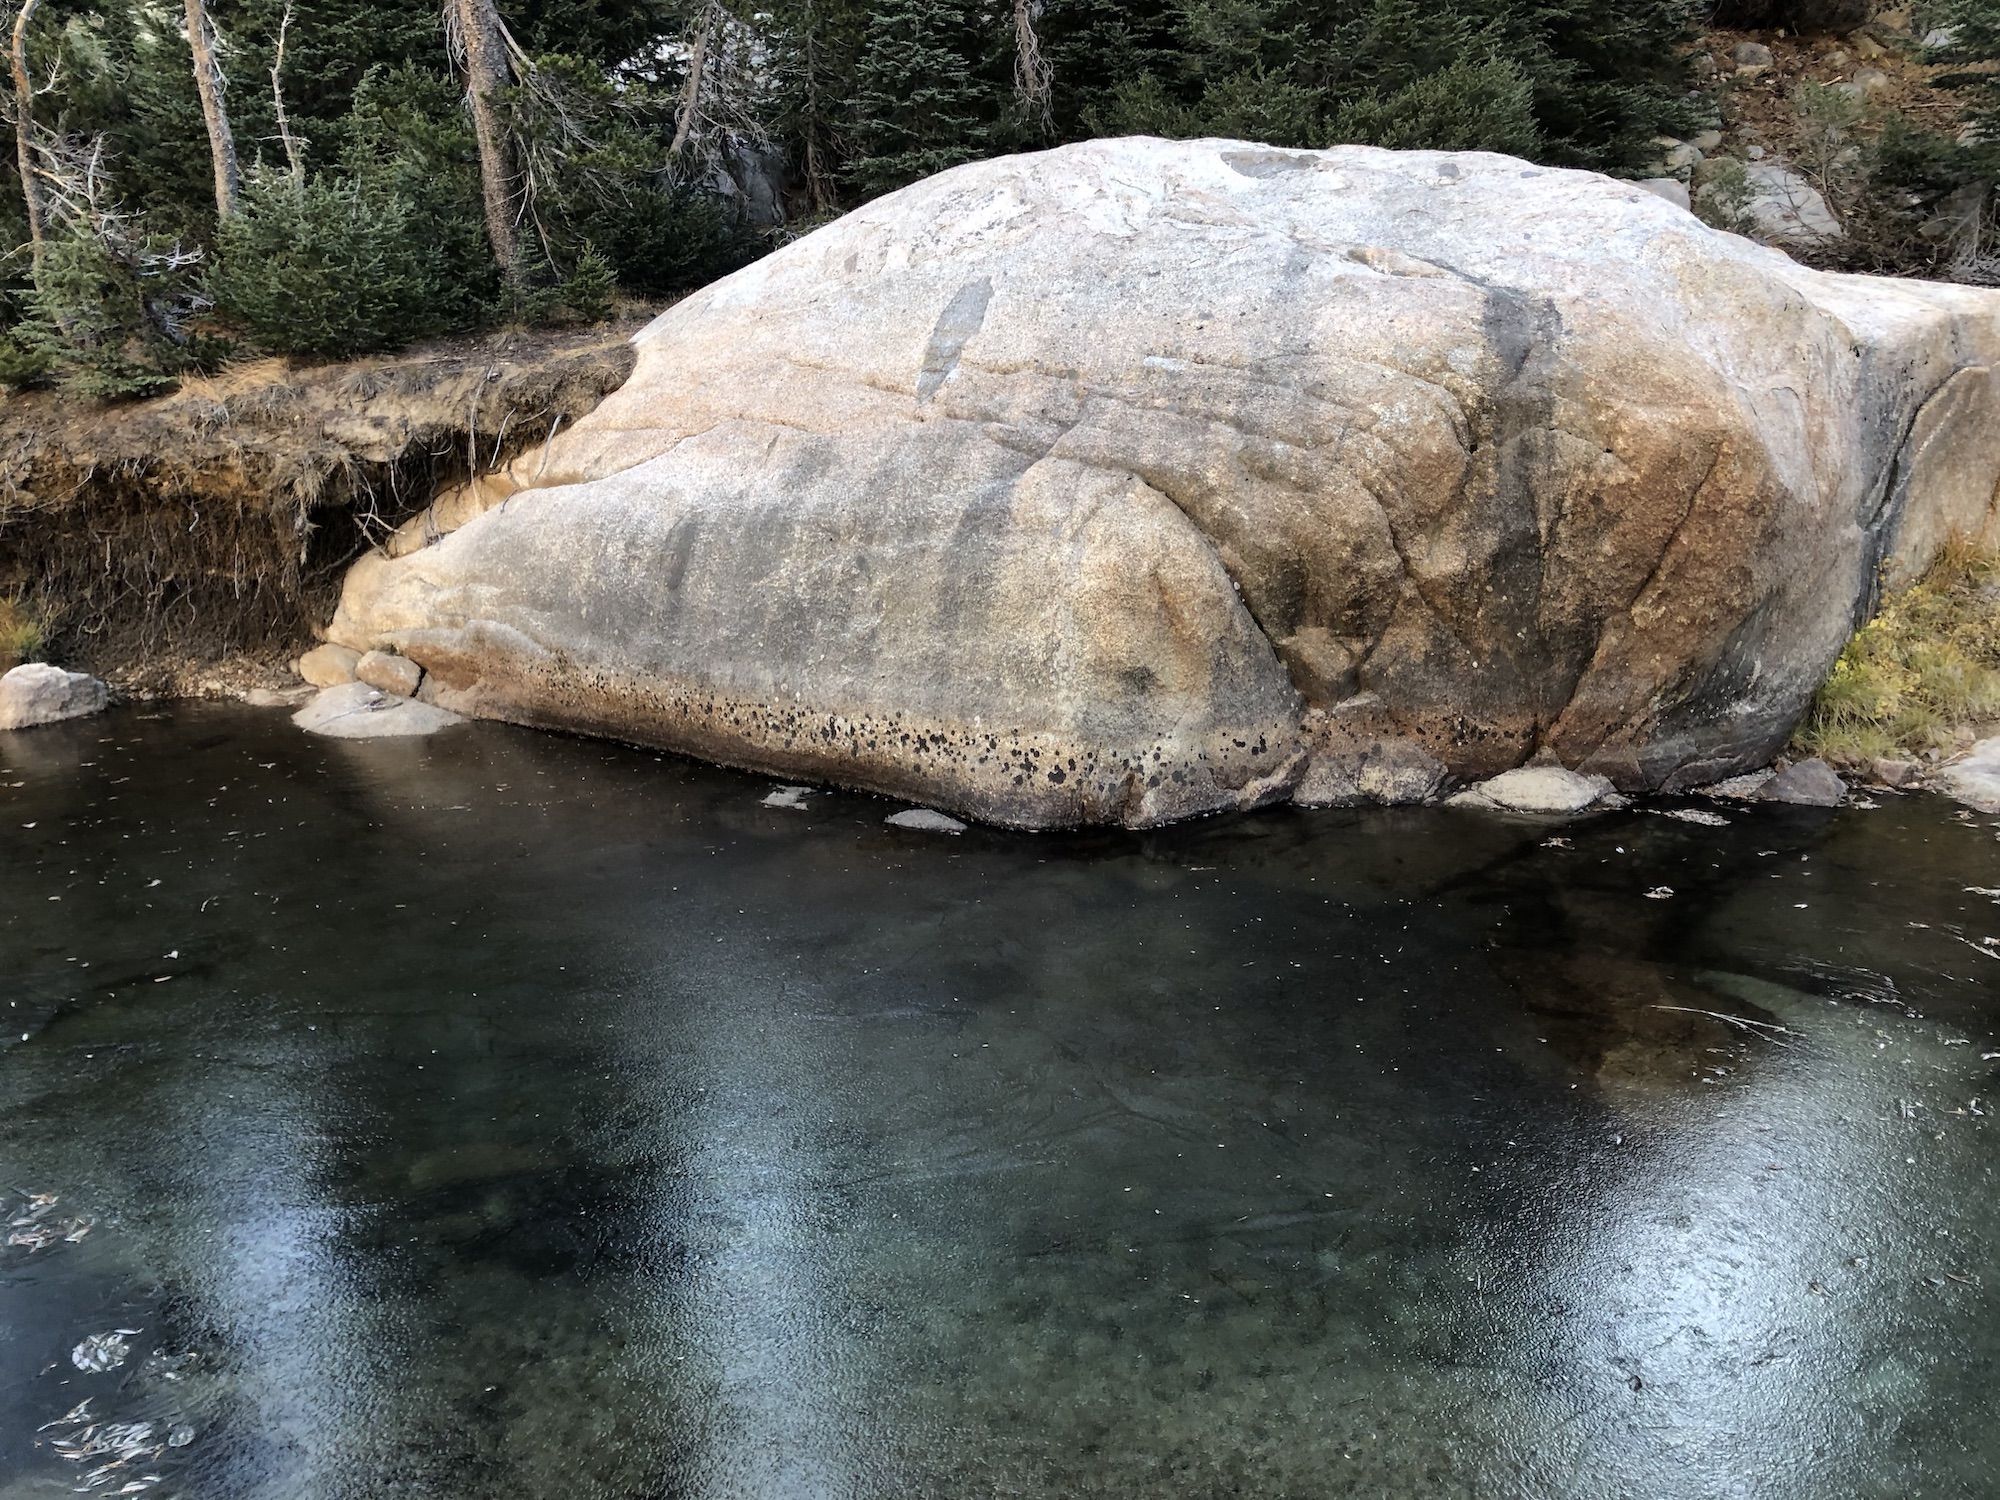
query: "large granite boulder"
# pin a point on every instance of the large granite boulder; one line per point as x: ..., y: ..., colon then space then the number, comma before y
x: 1076, y: 487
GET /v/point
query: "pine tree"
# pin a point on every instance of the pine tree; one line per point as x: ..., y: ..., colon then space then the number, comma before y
x: 920, y: 102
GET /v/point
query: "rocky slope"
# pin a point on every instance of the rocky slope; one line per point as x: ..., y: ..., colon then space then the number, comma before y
x: 1140, y: 479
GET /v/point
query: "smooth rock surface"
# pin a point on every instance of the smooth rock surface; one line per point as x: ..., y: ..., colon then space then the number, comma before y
x: 1784, y: 208
x: 356, y: 711
x: 1974, y: 779
x: 1809, y: 783
x: 329, y: 665
x: 389, y: 672
x: 1062, y: 488
x: 1538, y: 789
x: 37, y: 693
x: 288, y: 697
x: 924, y: 820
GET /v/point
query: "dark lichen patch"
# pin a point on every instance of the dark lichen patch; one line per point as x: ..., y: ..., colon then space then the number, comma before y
x: 1022, y: 777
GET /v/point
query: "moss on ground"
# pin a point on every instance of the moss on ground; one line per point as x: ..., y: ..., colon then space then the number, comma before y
x: 1923, y: 669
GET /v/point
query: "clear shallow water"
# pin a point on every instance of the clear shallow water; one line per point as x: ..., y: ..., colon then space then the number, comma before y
x: 514, y: 1115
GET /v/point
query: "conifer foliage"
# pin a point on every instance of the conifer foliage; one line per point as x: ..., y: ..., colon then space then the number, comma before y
x: 328, y: 177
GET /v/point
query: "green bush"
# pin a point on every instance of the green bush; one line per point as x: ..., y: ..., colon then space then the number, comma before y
x: 1470, y: 105
x: 106, y: 316
x: 321, y: 265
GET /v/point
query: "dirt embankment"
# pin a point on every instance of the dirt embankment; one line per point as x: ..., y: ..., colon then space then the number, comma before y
x: 156, y: 539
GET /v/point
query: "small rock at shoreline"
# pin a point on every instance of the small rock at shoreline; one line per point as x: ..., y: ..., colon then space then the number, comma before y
x: 792, y: 797
x: 923, y: 820
x: 1742, y: 788
x: 38, y: 693
x: 291, y: 697
x: 1975, y: 779
x: 1539, y: 790
x: 389, y: 672
x: 356, y: 711
x: 329, y: 665
x: 1895, y: 773
x: 1810, y: 783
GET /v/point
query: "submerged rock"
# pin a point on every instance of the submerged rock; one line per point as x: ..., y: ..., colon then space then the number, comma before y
x: 1810, y: 783
x: 37, y: 693
x: 356, y: 711
x: 1063, y: 489
x: 1974, y: 779
x: 1539, y: 789
x: 923, y: 820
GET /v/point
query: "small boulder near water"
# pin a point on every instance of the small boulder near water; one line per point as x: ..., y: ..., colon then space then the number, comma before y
x: 38, y: 693
x: 1975, y: 778
x: 389, y: 672
x: 329, y: 665
x: 356, y: 711
x: 1810, y: 783
x: 1539, y: 790
x: 923, y: 820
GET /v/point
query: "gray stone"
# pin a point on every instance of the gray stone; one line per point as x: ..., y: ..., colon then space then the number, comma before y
x: 1940, y: 37
x: 329, y: 665
x: 1538, y: 789
x: 1809, y: 783
x: 356, y: 711
x: 1744, y: 788
x: 1670, y: 188
x: 1751, y: 57
x: 37, y: 693
x: 1872, y: 81
x: 1895, y: 773
x: 1706, y: 141
x: 1783, y: 208
x: 923, y: 820
x: 1973, y: 779
x: 289, y: 697
x: 1356, y: 757
x: 389, y: 672
x: 1681, y: 158
x: 1063, y: 488
x: 791, y: 798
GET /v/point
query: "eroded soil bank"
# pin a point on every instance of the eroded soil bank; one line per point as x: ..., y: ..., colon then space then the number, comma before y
x: 601, y: 1131
x: 157, y: 539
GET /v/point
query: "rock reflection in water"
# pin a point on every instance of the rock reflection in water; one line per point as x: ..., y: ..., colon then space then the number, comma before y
x: 512, y: 1114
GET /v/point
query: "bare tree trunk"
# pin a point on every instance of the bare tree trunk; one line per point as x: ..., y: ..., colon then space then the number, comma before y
x: 24, y: 129
x: 486, y: 74
x: 208, y: 83
x: 291, y: 145
x: 691, y: 90
x: 1033, y: 78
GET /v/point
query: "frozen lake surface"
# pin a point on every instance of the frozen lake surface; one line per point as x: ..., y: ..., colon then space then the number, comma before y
x: 511, y: 1115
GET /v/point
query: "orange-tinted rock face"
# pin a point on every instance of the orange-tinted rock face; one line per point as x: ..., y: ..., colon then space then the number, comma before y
x: 1082, y: 486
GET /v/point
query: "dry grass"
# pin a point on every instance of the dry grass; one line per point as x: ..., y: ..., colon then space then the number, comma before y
x: 20, y: 634
x: 1924, y: 668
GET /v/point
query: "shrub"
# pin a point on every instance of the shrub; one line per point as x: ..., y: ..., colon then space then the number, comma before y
x: 107, y: 315
x: 323, y: 266
x: 1471, y: 105
x: 1927, y: 664
x: 20, y: 634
